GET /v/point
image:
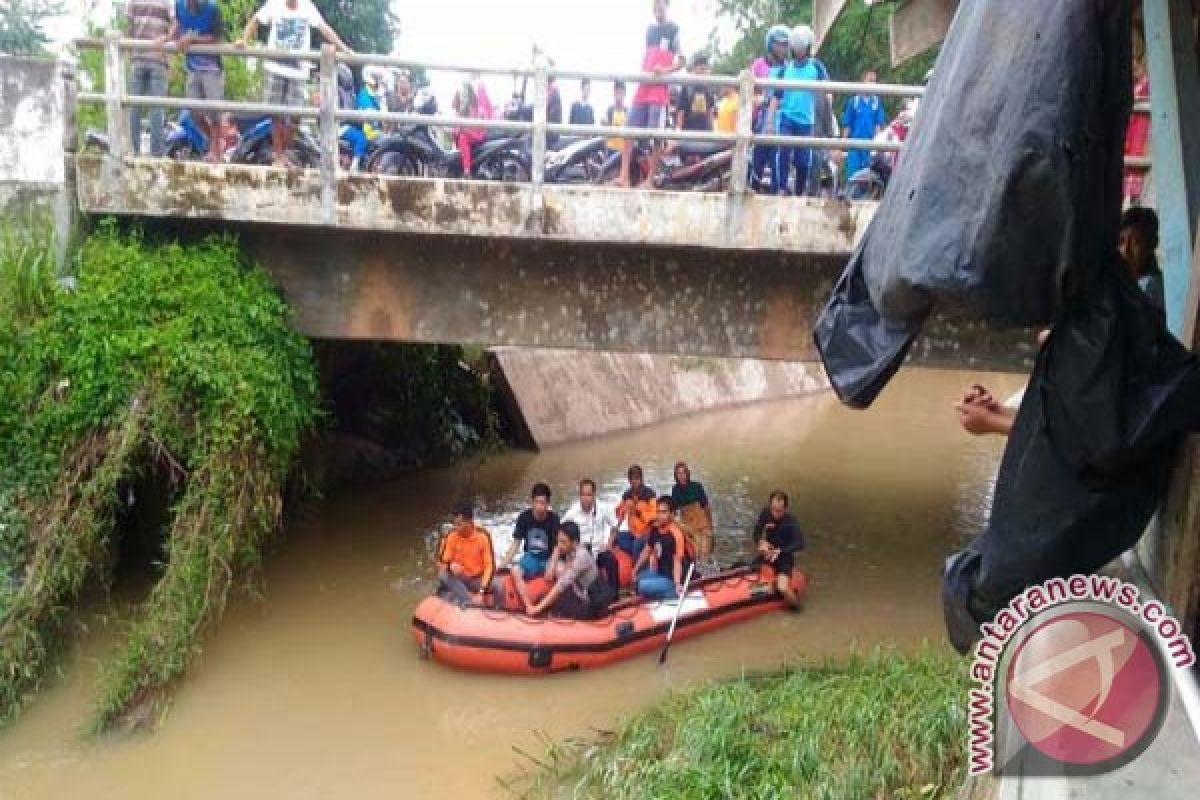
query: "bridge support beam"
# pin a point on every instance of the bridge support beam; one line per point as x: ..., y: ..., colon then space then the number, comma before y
x: 467, y: 290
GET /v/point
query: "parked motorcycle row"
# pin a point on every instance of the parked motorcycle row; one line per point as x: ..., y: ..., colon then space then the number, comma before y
x: 248, y: 142
x: 419, y: 151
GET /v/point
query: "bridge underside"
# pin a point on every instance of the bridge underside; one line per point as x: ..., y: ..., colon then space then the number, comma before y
x: 645, y: 285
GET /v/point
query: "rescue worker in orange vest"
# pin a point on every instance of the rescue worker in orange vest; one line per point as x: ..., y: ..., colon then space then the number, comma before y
x: 664, y: 561
x: 635, y: 515
x: 466, y: 561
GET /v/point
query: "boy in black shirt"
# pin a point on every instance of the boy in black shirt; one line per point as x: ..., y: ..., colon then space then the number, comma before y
x: 535, y: 529
x: 778, y: 537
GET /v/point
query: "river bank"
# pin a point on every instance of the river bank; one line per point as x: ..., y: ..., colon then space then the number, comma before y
x: 885, y: 724
x: 314, y: 689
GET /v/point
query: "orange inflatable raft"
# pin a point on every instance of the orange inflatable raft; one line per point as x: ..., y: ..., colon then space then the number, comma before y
x: 489, y: 640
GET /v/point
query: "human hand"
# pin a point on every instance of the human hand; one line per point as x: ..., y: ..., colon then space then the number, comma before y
x: 185, y: 41
x: 240, y: 42
x: 456, y: 569
x: 980, y: 396
x: 977, y: 418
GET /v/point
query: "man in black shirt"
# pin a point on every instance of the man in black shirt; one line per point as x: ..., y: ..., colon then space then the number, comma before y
x: 697, y: 104
x: 581, y: 110
x: 535, y: 530
x: 778, y: 537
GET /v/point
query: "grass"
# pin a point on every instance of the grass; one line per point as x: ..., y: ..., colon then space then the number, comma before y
x: 164, y: 356
x: 883, y: 725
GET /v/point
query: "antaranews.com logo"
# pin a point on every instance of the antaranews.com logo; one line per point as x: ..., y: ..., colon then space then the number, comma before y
x: 1072, y: 679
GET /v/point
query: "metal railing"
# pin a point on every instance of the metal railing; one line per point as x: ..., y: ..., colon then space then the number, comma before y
x: 329, y: 115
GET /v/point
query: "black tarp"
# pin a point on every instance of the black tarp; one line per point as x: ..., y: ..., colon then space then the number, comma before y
x: 1006, y: 206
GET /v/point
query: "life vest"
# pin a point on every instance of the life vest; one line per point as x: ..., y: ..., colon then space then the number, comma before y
x: 640, y: 513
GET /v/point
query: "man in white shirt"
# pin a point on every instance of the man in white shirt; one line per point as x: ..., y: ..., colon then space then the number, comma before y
x: 292, y: 23
x: 596, y: 523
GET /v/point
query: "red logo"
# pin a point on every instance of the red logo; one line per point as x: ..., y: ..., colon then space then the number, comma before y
x: 1086, y: 689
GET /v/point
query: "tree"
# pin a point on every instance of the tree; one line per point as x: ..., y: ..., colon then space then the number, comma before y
x: 21, y: 21
x: 860, y: 40
x: 368, y: 26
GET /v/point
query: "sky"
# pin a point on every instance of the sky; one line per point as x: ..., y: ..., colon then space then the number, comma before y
x: 603, y: 35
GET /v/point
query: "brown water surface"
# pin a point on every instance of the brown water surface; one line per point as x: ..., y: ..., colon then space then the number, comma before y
x: 316, y: 691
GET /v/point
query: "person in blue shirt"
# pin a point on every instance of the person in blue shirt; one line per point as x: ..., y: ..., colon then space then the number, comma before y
x: 862, y: 118
x: 200, y: 22
x: 794, y: 110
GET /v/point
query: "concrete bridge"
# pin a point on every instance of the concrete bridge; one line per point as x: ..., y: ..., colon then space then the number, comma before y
x: 527, y: 264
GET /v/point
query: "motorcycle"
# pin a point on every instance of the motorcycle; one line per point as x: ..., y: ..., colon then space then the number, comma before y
x: 416, y: 152
x: 577, y: 160
x: 688, y: 166
x: 870, y: 182
x: 255, y: 146
x: 185, y: 141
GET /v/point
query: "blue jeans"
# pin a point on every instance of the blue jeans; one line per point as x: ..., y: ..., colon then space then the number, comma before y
x: 356, y: 139
x: 655, y: 585
x: 532, y: 565
x: 149, y: 80
x: 631, y: 544
x: 763, y: 156
x: 800, y: 157
x: 857, y: 160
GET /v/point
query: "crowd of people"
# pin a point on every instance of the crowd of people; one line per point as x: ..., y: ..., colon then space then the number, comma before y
x: 789, y: 54
x: 569, y: 566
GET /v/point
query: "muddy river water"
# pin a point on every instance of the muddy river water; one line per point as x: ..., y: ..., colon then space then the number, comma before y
x: 315, y: 689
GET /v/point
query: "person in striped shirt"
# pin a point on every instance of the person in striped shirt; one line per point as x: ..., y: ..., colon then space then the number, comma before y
x: 148, y: 21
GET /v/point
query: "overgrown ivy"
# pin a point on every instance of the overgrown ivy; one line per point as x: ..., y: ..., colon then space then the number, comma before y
x: 163, y: 355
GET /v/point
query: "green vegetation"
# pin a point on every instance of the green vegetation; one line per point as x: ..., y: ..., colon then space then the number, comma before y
x: 883, y: 725
x: 169, y: 358
x: 21, y: 26
x: 858, y: 42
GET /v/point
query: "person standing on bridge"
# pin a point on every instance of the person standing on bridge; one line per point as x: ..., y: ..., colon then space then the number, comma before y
x: 200, y: 22
x: 582, y: 112
x: 148, y: 20
x: 863, y: 118
x: 795, y: 110
x: 291, y: 23
x: 663, y: 56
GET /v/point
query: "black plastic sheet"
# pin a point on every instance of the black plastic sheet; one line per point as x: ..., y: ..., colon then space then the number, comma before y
x: 1006, y: 207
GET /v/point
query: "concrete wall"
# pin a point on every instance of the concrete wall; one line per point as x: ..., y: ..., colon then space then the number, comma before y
x: 33, y: 118
x: 565, y: 395
x: 680, y: 301
x: 429, y: 206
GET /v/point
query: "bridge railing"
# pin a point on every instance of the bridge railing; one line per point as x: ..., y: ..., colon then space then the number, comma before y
x: 329, y: 115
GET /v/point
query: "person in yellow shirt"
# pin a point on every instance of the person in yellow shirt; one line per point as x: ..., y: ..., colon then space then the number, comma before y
x: 466, y: 562
x: 617, y: 114
x: 727, y: 110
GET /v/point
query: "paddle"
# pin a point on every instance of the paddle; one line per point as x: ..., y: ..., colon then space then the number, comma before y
x: 687, y: 580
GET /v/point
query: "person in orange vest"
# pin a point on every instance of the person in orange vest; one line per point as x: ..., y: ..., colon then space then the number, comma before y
x: 635, y: 514
x: 466, y: 561
x: 664, y: 561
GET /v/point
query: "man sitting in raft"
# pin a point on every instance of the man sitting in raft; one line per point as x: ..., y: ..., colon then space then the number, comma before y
x: 695, y: 515
x: 535, y: 529
x: 465, y: 559
x: 661, y: 567
x: 576, y: 590
x: 778, y: 537
x: 597, y: 529
x: 635, y: 515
